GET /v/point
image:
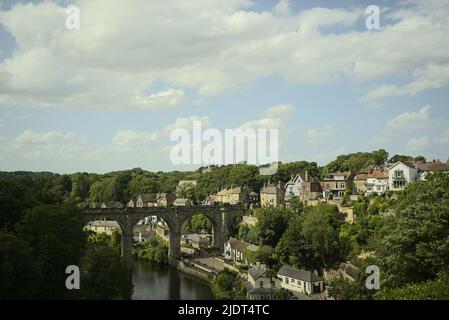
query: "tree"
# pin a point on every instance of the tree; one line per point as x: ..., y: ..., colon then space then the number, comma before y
x: 13, y: 200
x: 104, y: 276
x: 243, y: 175
x: 271, y: 224
x: 293, y: 248
x: 282, y: 294
x: 320, y: 231
x: 20, y: 276
x: 417, y: 247
x: 198, y: 224
x: 223, y: 284
x: 57, y: 239
x: 357, y: 161
x: 80, y: 186
x: 264, y: 255
x: 430, y: 290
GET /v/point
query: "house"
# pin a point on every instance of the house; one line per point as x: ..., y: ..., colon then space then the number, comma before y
x: 335, y: 184
x: 143, y: 201
x: 310, y: 188
x: 182, y: 202
x: 300, y: 281
x: 234, y: 250
x: 232, y: 195
x: 401, y: 174
x: 272, y: 195
x: 424, y: 168
x: 260, y: 284
x: 209, y: 201
x: 197, y: 241
x: 253, y: 197
x: 103, y: 226
x: 165, y: 199
x: 360, y: 179
x: 293, y: 187
x: 377, y: 182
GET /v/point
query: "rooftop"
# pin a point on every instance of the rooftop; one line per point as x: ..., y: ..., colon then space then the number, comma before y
x: 298, y: 274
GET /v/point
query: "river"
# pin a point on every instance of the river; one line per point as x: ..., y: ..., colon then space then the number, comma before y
x: 154, y: 282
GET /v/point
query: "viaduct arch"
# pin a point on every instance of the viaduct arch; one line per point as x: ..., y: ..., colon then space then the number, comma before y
x: 221, y: 217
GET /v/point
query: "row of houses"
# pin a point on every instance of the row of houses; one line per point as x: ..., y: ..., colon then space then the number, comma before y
x: 373, y: 180
x: 262, y: 284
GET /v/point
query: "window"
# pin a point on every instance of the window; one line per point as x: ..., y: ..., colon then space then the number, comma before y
x: 399, y: 173
x: 260, y: 284
x: 286, y: 280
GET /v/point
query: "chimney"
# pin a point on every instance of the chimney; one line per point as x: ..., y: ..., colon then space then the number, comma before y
x: 307, y: 176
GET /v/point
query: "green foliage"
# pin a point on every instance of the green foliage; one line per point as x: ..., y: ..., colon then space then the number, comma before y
x: 416, y: 248
x: 80, y: 186
x: 282, y: 294
x: 20, y: 276
x: 223, y: 284
x: 431, y: 290
x: 343, y: 289
x: 102, y: 240
x: 55, y: 234
x: 311, y: 239
x: 271, y: 224
x: 357, y: 161
x: 264, y: 255
x: 154, y: 250
x: 104, y: 276
x: 398, y: 157
x: 199, y: 223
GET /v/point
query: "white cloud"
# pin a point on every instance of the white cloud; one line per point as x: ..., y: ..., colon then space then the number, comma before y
x: 30, y: 137
x: 431, y: 77
x: 418, y: 144
x: 282, y: 7
x: 411, y: 121
x: 316, y: 135
x: 211, y: 46
x: 130, y: 138
x: 272, y: 118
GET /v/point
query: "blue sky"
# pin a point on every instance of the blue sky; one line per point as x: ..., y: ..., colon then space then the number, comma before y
x: 106, y: 97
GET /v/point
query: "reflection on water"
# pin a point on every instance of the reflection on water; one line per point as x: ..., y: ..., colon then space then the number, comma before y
x: 154, y: 282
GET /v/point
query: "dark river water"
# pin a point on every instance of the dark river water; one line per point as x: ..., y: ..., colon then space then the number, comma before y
x: 154, y: 282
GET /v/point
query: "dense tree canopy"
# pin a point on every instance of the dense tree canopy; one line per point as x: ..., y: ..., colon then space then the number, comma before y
x: 417, y: 247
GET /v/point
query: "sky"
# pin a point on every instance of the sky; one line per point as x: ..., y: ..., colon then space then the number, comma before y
x: 107, y: 96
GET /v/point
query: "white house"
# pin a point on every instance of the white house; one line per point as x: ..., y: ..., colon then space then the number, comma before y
x: 293, y: 187
x: 260, y: 285
x: 401, y: 174
x: 377, y: 182
x: 234, y: 250
x: 301, y: 281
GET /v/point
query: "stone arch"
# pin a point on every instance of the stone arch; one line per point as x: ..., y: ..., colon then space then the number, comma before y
x: 217, y: 226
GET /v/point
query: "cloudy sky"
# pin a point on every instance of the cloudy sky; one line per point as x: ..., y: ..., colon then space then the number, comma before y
x: 106, y: 97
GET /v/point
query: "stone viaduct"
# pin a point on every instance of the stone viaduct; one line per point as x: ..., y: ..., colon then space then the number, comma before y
x: 220, y: 216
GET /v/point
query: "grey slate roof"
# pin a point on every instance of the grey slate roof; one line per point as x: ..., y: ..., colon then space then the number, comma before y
x: 257, y: 271
x: 298, y: 274
x: 272, y: 189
